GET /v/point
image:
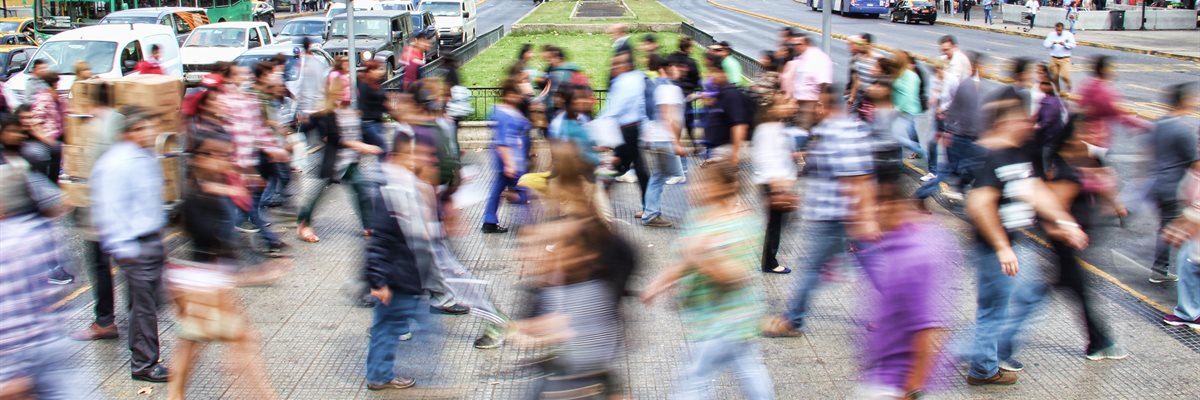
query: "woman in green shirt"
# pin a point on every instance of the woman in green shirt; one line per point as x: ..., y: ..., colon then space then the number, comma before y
x: 906, y: 96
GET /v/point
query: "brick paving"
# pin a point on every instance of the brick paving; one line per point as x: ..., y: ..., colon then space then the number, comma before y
x: 314, y: 341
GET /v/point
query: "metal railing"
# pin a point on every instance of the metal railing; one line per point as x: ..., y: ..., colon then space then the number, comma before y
x: 484, y: 98
x: 464, y: 53
x: 750, y: 66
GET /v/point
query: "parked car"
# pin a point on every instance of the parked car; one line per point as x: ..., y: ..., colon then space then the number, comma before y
x: 918, y: 11
x: 395, y: 5
x: 221, y: 41
x: 422, y: 21
x: 16, y: 25
x: 13, y: 59
x: 455, y: 20
x: 264, y: 12
x: 294, y: 29
x: 111, y: 51
x: 19, y: 38
x: 183, y: 20
x: 380, y: 35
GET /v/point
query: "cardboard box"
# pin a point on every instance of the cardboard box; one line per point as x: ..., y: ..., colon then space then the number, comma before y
x: 76, y: 162
x: 157, y: 93
x: 78, y: 130
x: 82, y: 95
x: 170, y: 122
x: 78, y: 194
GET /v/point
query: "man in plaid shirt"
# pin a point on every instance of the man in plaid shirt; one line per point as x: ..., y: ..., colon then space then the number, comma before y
x: 251, y: 136
x: 838, y: 203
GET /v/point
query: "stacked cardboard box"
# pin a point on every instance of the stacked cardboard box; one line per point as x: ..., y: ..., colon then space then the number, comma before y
x: 158, y: 94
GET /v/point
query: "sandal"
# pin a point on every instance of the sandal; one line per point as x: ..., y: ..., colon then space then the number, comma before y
x: 305, y: 233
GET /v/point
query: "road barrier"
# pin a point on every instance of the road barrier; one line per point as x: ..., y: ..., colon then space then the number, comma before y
x: 464, y: 53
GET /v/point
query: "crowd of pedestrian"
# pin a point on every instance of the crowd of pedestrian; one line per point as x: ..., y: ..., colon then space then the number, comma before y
x: 1018, y: 159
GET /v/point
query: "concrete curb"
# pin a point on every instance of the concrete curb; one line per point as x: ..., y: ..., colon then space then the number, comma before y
x: 1149, y: 52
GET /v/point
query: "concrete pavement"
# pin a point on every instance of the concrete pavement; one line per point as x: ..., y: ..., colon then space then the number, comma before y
x: 314, y: 342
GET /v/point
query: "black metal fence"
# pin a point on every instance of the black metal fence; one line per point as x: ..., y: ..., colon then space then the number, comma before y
x: 463, y: 54
x: 750, y: 66
x: 484, y: 98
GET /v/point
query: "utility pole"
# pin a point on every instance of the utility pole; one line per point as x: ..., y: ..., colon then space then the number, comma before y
x: 826, y: 26
x: 1143, y: 15
x: 353, y: 54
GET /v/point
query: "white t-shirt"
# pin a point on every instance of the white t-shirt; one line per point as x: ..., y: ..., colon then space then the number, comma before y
x: 771, y: 151
x: 664, y: 94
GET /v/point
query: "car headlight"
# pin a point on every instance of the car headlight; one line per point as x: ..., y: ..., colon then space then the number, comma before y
x: 366, y: 55
x: 456, y: 29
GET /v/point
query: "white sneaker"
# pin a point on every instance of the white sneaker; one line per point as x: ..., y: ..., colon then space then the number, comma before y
x: 675, y: 180
x: 628, y: 177
x: 928, y: 177
x: 952, y: 195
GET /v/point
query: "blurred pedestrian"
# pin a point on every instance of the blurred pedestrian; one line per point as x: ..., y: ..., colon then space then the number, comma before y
x: 906, y: 99
x: 151, y: 65
x: 963, y: 125
x: 958, y: 62
x: 34, y: 361
x: 49, y: 125
x: 727, y: 114
x: 731, y: 66
x: 510, y: 143
x: 864, y: 71
x: 774, y: 154
x: 966, y: 9
x: 1060, y: 44
x: 413, y: 58
x: 722, y: 300
x: 690, y: 83
x: 838, y: 203
x: 372, y: 103
x: 988, y: 5
x: 1174, y: 148
x: 626, y: 105
x: 620, y: 37
x: 1031, y: 10
x: 1100, y: 103
x: 1007, y: 197
x: 660, y: 143
x: 126, y: 194
x: 806, y: 77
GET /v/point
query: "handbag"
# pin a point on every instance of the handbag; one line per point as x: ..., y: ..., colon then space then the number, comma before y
x: 207, y: 306
x: 1098, y: 179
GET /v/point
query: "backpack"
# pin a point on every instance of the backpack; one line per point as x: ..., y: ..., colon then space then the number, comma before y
x: 753, y: 103
x: 648, y: 92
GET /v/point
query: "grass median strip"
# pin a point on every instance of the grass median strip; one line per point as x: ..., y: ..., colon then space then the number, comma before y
x: 559, y: 12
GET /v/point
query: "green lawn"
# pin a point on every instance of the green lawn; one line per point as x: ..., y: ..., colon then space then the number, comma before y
x: 591, y: 52
x: 559, y: 12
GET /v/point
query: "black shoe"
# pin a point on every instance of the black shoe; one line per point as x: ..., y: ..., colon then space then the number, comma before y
x: 158, y: 374
x: 493, y: 228
x: 276, y: 250
x: 59, y: 276
x: 246, y: 227
x: 488, y: 342
x: 453, y: 309
x: 366, y: 301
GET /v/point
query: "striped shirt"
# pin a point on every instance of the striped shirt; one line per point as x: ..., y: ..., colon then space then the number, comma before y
x: 841, y: 149
x: 246, y: 126
x: 31, y: 248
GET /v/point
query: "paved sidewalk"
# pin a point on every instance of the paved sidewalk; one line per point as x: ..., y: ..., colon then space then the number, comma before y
x: 314, y: 342
x: 1179, y: 44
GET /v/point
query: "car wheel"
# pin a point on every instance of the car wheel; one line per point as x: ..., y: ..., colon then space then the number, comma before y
x: 391, y: 71
x: 271, y: 20
x: 906, y: 20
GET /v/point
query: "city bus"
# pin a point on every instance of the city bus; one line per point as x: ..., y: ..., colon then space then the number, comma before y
x: 55, y: 16
x: 871, y: 8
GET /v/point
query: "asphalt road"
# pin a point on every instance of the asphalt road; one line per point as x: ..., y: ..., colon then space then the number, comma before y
x: 492, y: 13
x: 1126, y: 252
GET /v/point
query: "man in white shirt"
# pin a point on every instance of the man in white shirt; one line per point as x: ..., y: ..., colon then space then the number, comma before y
x: 1060, y: 43
x: 661, y: 145
x: 959, y: 65
x: 1031, y: 8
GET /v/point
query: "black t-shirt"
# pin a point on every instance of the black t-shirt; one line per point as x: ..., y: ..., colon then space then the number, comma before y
x: 1010, y: 170
x: 371, y: 101
x: 729, y: 111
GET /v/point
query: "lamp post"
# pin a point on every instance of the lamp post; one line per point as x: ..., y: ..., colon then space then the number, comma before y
x: 827, y: 26
x: 353, y: 54
x: 1143, y: 15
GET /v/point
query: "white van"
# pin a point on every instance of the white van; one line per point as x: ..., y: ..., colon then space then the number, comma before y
x: 394, y: 5
x: 111, y: 50
x: 455, y: 20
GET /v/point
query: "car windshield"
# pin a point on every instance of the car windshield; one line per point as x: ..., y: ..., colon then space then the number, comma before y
x: 130, y: 20
x: 9, y: 26
x: 368, y: 27
x: 217, y: 37
x: 61, y: 56
x: 303, y: 28
x: 291, y: 71
x: 417, y: 22
x: 442, y: 8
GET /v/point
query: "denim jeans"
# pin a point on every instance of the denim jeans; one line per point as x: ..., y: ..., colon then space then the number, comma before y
x: 500, y: 183
x: 50, y: 368
x: 406, y: 313
x: 825, y: 240
x: 372, y: 132
x: 905, y: 132
x: 1188, y: 288
x: 255, y: 217
x: 987, y: 15
x: 710, y: 357
x: 663, y: 163
x: 1169, y: 209
x: 961, y: 156
x: 1004, y: 305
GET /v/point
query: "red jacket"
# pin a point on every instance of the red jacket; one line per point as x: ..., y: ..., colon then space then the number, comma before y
x: 146, y: 67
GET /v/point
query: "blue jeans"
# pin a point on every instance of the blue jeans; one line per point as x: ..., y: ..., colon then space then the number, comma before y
x: 987, y: 15
x: 388, y: 322
x: 500, y: 183
x: 824, y: 240
x: 255, y: 217
x: 1004, y: 305
x: 1188, y: 288
x: 663, y: 163
x: 905, y: 132
x: 51, y: 370
x: 961, y: 156
x: 711, y: 356
x: 372, y: 132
